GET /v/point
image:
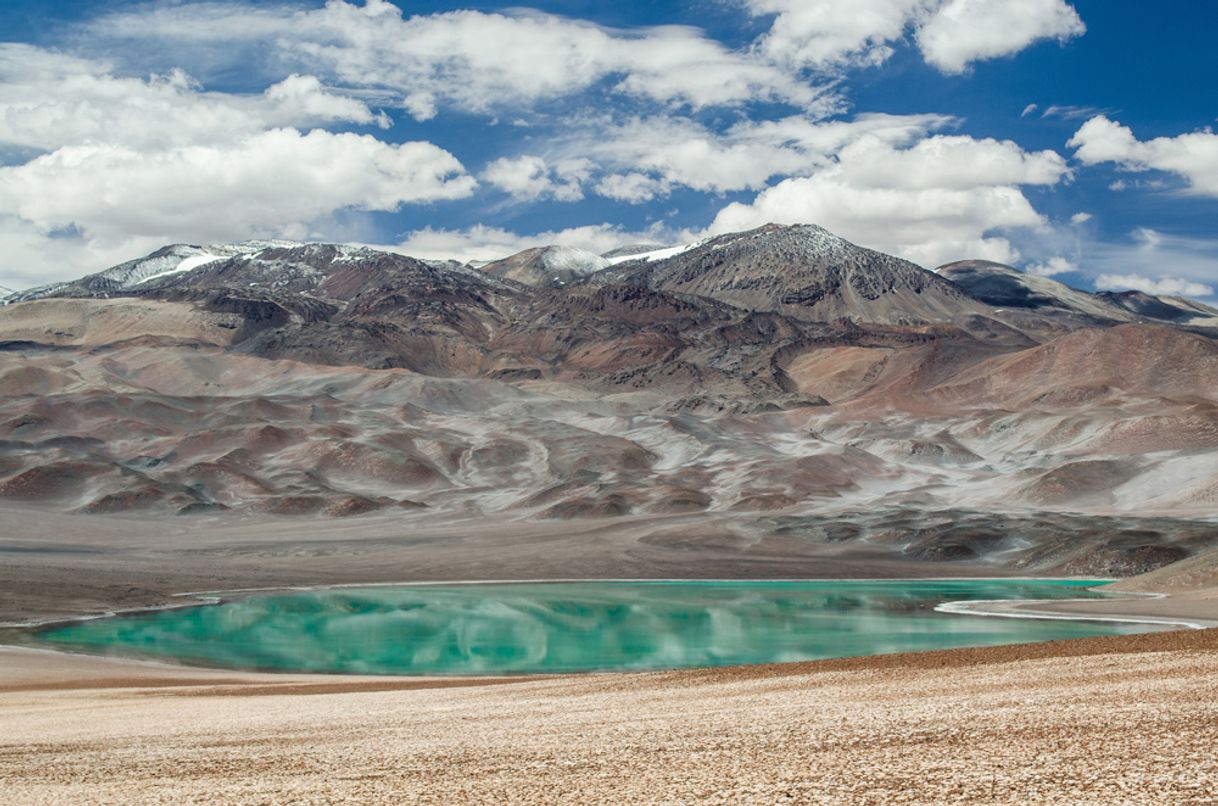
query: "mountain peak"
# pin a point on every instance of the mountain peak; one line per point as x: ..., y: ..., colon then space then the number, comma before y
x: 801, y: 270
x: 547, y: 266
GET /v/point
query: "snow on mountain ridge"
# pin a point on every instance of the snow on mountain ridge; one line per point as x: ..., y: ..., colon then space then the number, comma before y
x: 573, y: 259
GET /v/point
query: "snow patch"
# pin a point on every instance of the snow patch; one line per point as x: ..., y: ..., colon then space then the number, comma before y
x: 193, y: 262
x: 574, y: 260
x: 658, y: 254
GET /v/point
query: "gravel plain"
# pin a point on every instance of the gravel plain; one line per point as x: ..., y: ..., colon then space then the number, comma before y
x: 1132, y: 719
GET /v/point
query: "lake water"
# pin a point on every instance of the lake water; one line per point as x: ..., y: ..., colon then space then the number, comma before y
x: 577, y: 626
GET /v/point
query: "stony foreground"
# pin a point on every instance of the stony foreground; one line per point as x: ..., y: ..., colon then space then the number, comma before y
x: 1131, y: 719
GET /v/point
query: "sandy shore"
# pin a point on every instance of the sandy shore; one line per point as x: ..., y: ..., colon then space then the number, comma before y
x: 1130, y: 719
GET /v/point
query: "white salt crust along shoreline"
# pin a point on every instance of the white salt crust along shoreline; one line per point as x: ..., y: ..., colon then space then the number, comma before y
x: 1024, y: 608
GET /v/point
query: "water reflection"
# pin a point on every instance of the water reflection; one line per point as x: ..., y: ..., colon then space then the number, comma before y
x: 517, y: 628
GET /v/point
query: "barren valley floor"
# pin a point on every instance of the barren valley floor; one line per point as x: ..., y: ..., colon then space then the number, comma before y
x: 1093, y: 720
x: 1129, y: 719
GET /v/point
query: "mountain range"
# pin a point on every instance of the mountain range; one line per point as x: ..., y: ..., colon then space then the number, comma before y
x: 774, y: 375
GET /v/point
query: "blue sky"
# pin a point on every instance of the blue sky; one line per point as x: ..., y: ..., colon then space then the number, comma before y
x: 1067, y: 138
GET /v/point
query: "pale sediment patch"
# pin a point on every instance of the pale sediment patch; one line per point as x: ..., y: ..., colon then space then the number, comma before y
x: 1104, y: 610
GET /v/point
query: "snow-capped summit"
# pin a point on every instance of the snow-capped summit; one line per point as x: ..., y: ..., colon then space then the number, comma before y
x: 547, y: 266
x: 803, y: 271
x: 164, y: 262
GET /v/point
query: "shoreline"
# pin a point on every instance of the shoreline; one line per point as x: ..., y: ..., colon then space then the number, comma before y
x: 217, y: 596
x: 86, y: 669
x: 1002, y: 608
x: 1018, y: 720
x: 1014, y: 721
x: 1023, y: 609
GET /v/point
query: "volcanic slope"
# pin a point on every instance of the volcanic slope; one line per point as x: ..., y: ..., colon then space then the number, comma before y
x: 806, y: 272
x: 688, y: 382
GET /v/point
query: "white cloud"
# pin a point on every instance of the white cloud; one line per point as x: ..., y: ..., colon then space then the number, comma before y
x: 31, y: 258
x: 128, y: 161
x: 1147, y: 238
x: 126, y: 164
x: 1027, y: 110
x: 632, y: 187
x: 1052, y: 267
x: 1149, y: 260
x: 525, y: 177
x: 1193, y: 156
x: 489, y: 243
x: 676, y: 151
x: 812, y: 33
x: 1168, y: 286
x: 531, y: 177
x: 961, y: 32
x: 645, y: 158
x: 466, y: 59
x: 1066, y: 112
x: 952, y: 34
x: 940, y: 200
x: 48, y: 100
x: 1080, y: 218
x: 953, y: 162
x: 272, y: 182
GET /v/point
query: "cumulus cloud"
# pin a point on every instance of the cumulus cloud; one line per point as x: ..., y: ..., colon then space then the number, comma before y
x: 432, y: 60
x: 101, y: 163
x: 31, y: 258
x: 1168, y: 286
x: 1080, y: 218
x: 951, y: 34
x: 531, y: 177
x: 643, y: 158
x: 961, y: 32
x: 1052, y: 267
x: 1192, y: 156
x: 1151, y: 261
x: 259, y: 184
x: 633, y: 187
x: 48, y: 100
x: 940, y: 200
x: 92, y: 198
x: 811, y: 33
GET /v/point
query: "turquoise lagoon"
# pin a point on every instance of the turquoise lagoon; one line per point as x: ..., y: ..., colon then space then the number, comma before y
x: 516, y: 628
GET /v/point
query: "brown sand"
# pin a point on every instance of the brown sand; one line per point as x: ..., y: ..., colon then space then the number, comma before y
x: 1129, y: 719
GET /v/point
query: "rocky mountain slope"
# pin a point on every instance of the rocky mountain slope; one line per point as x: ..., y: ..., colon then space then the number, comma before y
x: 547, y: 266
x: 1003, y: 286
x: 781, y: 379
x: 805, y: 272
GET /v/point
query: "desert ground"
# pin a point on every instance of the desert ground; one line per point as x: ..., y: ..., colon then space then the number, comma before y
x: 1128, y: 719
